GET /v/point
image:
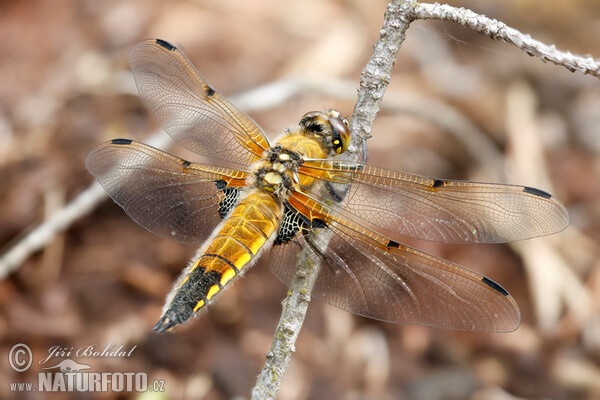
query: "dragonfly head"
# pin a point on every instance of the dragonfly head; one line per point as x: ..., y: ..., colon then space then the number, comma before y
x: 330, y: 127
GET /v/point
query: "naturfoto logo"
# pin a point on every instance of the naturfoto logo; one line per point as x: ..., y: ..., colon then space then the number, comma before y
x: 68, y: 375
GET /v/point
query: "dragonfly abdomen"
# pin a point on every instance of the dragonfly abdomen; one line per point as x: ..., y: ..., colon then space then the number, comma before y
x: 232, y: 248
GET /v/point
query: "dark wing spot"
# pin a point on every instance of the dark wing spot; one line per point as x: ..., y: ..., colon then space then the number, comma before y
x: 210, y: 91
x: 537, y: 192
x: 438, y: 183
x: 121, y: 141
x: 494, y: 286
x: 221, y: 184
x: 337, y: 192
x: 393, y: 245
x: 165, y: 44
x: 230, y: 200
x: 318, y: 224
x: 186, y: 164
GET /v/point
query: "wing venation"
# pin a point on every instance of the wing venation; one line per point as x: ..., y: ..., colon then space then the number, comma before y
x: 190, y: 110
x: 399, y: 204
x: 167, y: 195
x: 361, y: 273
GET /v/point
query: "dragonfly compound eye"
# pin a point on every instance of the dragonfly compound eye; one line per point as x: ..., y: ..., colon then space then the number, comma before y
x: 341, y: 135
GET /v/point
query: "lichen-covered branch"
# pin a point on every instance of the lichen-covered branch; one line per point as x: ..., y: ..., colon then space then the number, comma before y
x: 499, y: 30
x: 374, y: 80
x: 377, y: 73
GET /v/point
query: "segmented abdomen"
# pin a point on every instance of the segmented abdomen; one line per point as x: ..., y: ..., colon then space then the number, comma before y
x: 235, y: 246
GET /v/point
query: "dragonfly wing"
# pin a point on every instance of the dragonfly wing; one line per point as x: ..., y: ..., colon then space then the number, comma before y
x: 398, y: 284
x: 167, y: 195
x: 400, y: 204
x: 189, y: 109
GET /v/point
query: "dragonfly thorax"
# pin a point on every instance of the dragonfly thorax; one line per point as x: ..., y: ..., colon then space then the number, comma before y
x: 275, y: 173
x: 318, y: 135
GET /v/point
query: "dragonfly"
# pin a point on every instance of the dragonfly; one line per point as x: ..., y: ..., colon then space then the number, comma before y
x: 248, y: 196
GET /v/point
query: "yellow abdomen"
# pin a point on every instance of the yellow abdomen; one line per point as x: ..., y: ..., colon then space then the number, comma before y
x: 238, y: 241
x: 234, y: 246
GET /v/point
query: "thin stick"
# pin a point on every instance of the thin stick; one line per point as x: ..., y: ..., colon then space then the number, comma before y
x: 499, y: 30
x: 374, y: 80
x: 58, y: 222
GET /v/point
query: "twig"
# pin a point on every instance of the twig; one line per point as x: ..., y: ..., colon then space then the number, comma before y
x: 377, y: 73
x: 374, y: 80
x: 499, y: 30
x: 41, y: 235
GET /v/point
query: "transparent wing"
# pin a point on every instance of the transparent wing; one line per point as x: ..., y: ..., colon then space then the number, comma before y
x: 167, y: 195
x: 399, y: 204
x: 361, y: 274
x: 189, y: 110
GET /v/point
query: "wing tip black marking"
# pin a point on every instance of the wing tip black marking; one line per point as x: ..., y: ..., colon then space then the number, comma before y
x: 121, y: 141
x: 186, y: 164
x: 438, y: 183
x: 536, y: 192
x: 494, y: 286
x: 165, y: 44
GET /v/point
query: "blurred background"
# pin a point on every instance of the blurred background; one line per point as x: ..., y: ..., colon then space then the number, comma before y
x: 459, y: 106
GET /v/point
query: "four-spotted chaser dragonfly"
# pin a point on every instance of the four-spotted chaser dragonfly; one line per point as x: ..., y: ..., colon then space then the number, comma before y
x: 254, y: 194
